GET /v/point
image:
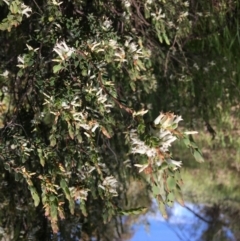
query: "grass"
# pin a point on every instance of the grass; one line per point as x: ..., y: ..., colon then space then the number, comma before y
x: 218, y: 178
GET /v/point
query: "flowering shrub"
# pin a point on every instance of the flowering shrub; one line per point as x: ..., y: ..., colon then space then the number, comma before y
x: 78, y: 123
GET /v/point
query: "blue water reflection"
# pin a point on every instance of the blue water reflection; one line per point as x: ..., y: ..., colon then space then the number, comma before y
x: 182, y: 225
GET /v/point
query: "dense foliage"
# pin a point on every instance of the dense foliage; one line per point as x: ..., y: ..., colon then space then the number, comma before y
x: 79, y: 85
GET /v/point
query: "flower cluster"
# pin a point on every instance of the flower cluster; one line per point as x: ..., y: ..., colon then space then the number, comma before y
x: 109, y: 183
x: 164, y: 129
x: 63, y: 51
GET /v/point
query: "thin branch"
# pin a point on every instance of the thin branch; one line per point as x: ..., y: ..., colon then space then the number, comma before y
x: 197, y: 215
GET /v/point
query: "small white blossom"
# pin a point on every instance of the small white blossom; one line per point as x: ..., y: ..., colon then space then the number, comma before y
x: 141, y: 112
x: 113, y: 43
x: 176, y: 163
x: 54, y: 2
x: 5, y: 73
x: 26, y: 10
x: 126, y: 3
x: 4, y: 89
x: 158, y: 15
x: 110, y: 183
x: 142, y: 167
x: 196, y: 66
x: 65, y: 105
x: 120, y: 56
x: 94, y: 45
x: 190, y: 132
x: 205, y: 69
x: 212, y: 63
x: 7, y: 2
x: 63, y: 50
x: 107, y: 24
x: 158, y: 119
x: 21, y: 62
x: 139, y: 147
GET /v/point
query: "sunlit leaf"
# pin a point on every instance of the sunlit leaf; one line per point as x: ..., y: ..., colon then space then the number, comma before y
x: 34, y: 195
x: 57, y: 68
x: 178, y: 196
x: 171, y: 182
x: 198, y: 156
x: 155, y: 190
x: 133, y: 211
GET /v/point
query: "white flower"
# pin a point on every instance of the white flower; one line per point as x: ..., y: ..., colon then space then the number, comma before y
x: 65, y: 105
x: 107, y: 24
x: 139, y: 147
x: 95, y: 127
x: 21, y: 62
x: 26, y: 10
x: 120, y: 56
x: 7, y: 2
x: 5, y: 73
x: 54, y: 2
x: 141, y: 112
x: 149, y: 1
x: 126, y: 3
x: 142, y: 167
x: 159, y: 118
x: 196, y: 66
x: 85, y: 126
x: 178, y: 119
x: 94, y: 45
x: 110, y: 183
x: 63, y: 50
x: 205, y: 69
x: 163, y: 133
x: 168, y: 140
x: 158, y: 15
x: 176, y: 163
x: 190, y: 132
x: 4, y: 89
x: 212, y: 63
x: 113, y: 43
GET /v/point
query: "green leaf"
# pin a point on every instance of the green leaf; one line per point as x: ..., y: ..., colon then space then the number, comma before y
x: 70, y: 130
x: 53, y: 211
x: 17, y: 176
x: 186, y: 141
x: 34, y: 195
x: 178, y: 196
x: 40, y: 155
x: 83, y: 208
x: 166, y: 39
x: 53, y: 141
x: 178, y: 177
x: 198, y: 156
x: 155, y: 190
x: 170, y: 197
x: 52, y: 198
x: 163, y: 166
x: 133, y: 86
x: 162, y: 210
x: 63, y: 184
x: 57, y: 68
x: 171, y: 183
x: 71, y: 206
x: 193, y: 144
x: 7, y: 166
x: 134, y: 211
